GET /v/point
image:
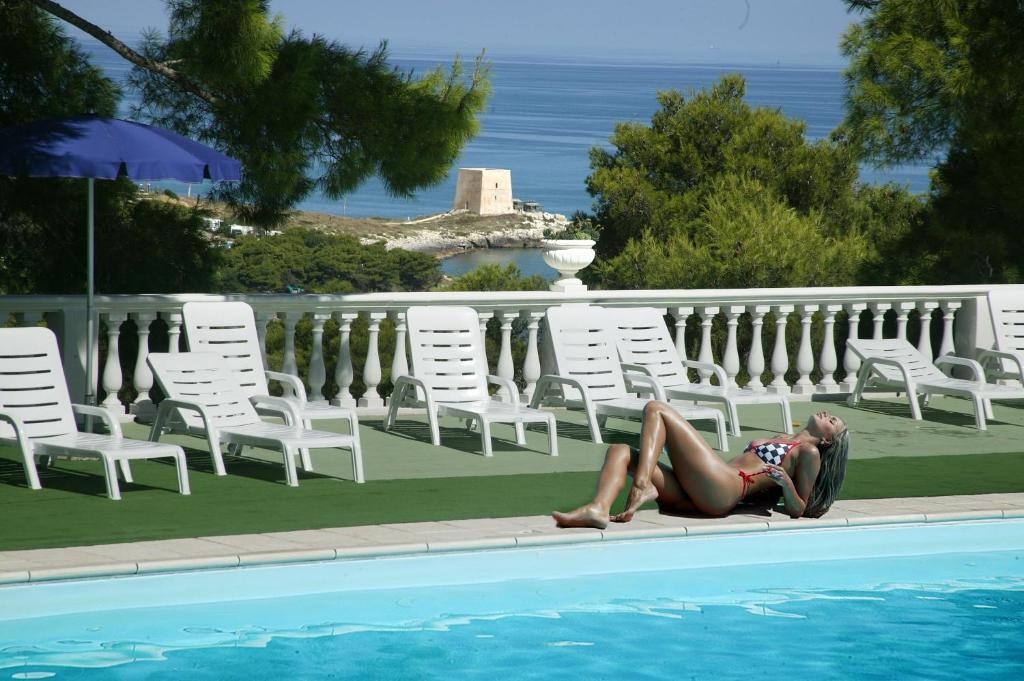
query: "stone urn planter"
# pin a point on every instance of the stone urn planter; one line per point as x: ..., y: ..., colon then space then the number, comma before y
x: 568, y: 256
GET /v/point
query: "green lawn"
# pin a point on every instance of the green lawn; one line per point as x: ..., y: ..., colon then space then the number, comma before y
x: 409, y: 480
x: 74, y: 512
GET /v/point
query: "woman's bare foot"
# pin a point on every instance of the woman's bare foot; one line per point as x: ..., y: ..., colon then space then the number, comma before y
x: 584, y: 516
x: 637, y: 498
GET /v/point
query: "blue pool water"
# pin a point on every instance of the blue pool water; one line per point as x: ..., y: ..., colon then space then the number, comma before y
x: 887, y: 602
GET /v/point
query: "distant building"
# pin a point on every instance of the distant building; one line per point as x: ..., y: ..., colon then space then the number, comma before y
x: 484, y: 191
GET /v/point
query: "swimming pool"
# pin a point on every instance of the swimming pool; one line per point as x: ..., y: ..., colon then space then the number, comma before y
x: 885, y: 601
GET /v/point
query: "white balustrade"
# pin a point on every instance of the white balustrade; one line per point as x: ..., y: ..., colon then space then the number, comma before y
x: 142, y: 377
x: 505, y: 366
x: 262, y: 319
x: 851, y: 362
x: 173, y: 319
x: 827, y: 361
x: 484, y: 317
x: 755, y: 360
x: 112, y: 377
x: 65, y: 313
x: 878, y: 311
x: 948, y: 315
x: 343, y: 372
x: 288, y: 364
x: 780, y: 356
x: 371, y: 369
x: 731, y: 358
x: 317, y: 375
x: 902, y: 316
x: 805, y: 355
x: 531, y: 363
x: 924, y: 340
x: 707, y: 317
x: 400, y: 361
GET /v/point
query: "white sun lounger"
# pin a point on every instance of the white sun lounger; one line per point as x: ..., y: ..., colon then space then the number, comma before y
x: 893, y: 364
x: 229, y: 330
x: 583, y: 345
x: 206, y: 399
x: 1006, y: 360
x: 37, y: 416
x: 450, y: 378
x: 646, y: 347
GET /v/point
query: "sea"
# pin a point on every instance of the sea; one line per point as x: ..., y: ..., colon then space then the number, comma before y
x: 546, y: 113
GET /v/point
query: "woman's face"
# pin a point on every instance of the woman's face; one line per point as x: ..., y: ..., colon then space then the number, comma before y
x: 825, y: 425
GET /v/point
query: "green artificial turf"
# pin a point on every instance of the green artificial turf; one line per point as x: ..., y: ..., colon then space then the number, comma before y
x: 72, y: 509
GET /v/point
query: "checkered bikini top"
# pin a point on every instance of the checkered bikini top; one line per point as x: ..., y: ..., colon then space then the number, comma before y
x: 772, y: 452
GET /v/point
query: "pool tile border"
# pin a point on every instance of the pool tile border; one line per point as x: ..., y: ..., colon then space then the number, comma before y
x: 20, y: 567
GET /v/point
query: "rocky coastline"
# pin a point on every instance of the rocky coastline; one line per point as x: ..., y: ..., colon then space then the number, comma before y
x: 448, y: 234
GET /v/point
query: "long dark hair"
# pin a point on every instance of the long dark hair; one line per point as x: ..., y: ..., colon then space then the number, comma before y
x: 830, y: 475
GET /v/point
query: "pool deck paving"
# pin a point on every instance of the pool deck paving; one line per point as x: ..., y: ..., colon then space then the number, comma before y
x: 38, y: 565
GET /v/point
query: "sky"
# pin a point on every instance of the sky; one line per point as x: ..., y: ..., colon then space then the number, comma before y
x: 724, y: 31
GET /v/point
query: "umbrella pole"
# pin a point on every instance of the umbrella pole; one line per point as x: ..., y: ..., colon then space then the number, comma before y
x: 90, y: 379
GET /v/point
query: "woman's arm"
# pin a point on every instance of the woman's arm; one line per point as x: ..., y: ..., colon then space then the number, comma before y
x: 795, y: 493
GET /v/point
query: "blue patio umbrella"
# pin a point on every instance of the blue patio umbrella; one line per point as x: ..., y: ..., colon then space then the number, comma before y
x: 94, y: 147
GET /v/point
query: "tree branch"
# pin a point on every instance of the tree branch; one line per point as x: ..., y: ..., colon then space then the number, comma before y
x: 108, y: 39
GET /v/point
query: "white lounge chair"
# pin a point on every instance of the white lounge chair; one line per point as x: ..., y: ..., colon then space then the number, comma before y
x: 893, y: 364
x: 207, y: 402
x: 229, y: 330
x: 450, y: 378
x: 1006, y: 360
x: 582, y: 341
x: 37, y: 416
x: 646, y: 347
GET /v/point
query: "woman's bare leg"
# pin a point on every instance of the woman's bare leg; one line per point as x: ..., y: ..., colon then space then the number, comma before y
x: 712, y: 485
x: 652, y: 441
x: 612, y: 479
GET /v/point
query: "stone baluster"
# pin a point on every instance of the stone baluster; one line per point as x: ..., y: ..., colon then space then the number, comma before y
x: 680, y: 315
x: 755, y: 361
x: 707, y: 317
x: 780, y: 357
x: 902, y: 316
x: 343, y: 372
x: 878, y: 317
x: 112, y: 376
x: 828, y: 362
x: 531, y: 363
x: 400, y: 361
x: 731, y: 358
x: 484, y: 317
x: 851, y: 362
x: 288, y: 364
x: 924, y: 340
x: 173, y: 319
x: 371, y: 370
x: 506, y: 369
x: 805, y: 355
x: 946, y: 347
x: 317, y: 376
x: 262, y: 319
x: 142, y: 377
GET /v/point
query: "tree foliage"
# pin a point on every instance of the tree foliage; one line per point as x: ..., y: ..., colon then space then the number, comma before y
x: 943, y: 80
x: 715, y: 193
x: 497, y: 278
x: 303, y: 113
x: 322, y: 263
x: 42, y: 221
